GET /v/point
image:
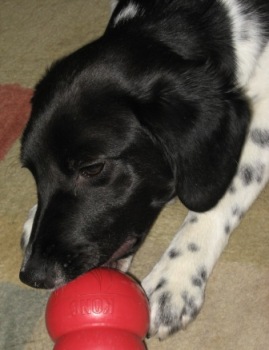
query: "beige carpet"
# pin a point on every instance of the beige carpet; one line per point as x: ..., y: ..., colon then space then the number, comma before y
x: 236, y: 312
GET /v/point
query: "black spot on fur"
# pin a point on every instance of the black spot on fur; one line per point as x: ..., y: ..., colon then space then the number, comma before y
x: 174, y: 328
x: 200, y: 279
x: 232, y: 189
x: 161, y: 283
x: 203, y: 273
x: 236, y: 211
x: 166, y: 315
x: 174, y: 253
x: 260, y: 172
x: 194, y: 219
x: 247, y: 174
x: 260, y: 137
x: 192, y: 247
x: 227, y: 228
x: 250, y: 173
x: 197, y: 282
x: 190, y: 306
x: 164, y: 299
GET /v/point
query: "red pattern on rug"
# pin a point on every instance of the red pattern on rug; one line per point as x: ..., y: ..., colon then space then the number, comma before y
x: 14, y: 112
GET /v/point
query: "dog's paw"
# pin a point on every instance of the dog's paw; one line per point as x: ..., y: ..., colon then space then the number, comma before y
x: 175, y: 297
x: 27, y: 227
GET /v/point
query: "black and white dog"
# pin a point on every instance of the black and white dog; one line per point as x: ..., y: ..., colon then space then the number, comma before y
x: 173, y: 100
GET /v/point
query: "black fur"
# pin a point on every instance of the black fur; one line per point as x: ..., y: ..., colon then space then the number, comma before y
x: 148, y: 111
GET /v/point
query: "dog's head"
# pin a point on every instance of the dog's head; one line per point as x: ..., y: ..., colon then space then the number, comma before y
x: 113, y: 137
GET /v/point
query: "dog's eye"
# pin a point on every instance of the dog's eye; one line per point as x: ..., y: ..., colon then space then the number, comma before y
x: 91, y: 170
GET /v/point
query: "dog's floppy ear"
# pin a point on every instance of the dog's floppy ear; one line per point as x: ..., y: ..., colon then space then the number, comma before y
x: 201, y: 132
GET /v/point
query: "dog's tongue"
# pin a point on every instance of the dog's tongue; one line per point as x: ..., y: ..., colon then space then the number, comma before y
x: 121, y: 251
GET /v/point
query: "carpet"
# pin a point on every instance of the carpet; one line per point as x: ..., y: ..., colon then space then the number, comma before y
x: 235, y: 315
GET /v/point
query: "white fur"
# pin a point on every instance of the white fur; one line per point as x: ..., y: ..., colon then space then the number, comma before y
x: 247, y: 51
x: 127, y: 13
x: 27, y: 228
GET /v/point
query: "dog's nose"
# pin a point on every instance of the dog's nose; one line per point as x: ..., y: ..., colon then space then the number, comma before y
x: 36, y: 278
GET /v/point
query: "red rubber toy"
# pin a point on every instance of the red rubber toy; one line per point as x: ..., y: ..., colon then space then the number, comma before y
x: 101, y: 310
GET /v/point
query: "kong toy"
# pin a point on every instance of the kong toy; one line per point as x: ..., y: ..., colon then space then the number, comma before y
x: 103, y: 309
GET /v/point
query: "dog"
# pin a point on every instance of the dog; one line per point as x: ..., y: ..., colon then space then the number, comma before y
x: 172, y: 100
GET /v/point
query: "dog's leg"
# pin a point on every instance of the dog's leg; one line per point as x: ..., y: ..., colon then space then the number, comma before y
x: 27, y: 227
x: 176, y: 285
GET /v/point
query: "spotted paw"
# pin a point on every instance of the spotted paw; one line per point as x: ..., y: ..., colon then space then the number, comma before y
x: 175, y: 297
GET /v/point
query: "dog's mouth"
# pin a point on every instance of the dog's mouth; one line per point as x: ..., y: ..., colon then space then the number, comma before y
x: 119, y: 257
x: 119, y: 260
